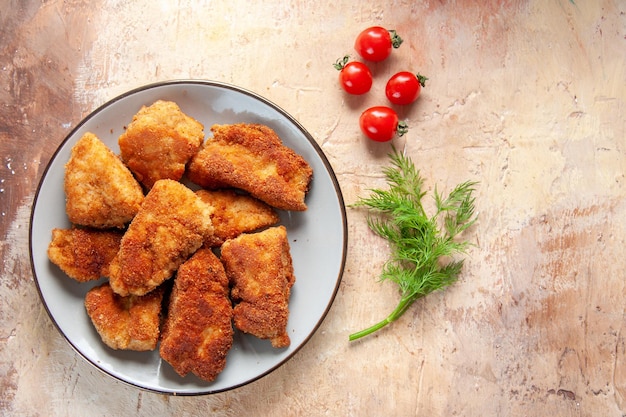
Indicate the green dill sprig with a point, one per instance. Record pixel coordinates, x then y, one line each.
422 246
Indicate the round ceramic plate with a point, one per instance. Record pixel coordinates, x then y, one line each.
317 236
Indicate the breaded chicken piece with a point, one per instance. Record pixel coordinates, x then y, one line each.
198 332
252 157
84 254
172 223
234 214
260 271
128 323
159 142
100 190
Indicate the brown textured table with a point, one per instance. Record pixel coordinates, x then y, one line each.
527 97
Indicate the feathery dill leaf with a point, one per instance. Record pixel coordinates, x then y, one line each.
422 247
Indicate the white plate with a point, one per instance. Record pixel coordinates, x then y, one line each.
318 239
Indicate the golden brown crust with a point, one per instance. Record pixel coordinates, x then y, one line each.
252 157
260 271
127 323
172 224
198 332
100 190
234 214
84 254
159 142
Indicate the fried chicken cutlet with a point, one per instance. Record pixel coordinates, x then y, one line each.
260 271
159 142
100 190
84 254
127 323
236 213
172 223
198 332
252 157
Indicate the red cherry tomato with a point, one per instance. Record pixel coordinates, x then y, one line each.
355 77
404 87
375 43
381 124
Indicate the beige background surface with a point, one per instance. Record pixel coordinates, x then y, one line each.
527 97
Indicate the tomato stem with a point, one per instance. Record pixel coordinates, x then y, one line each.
340 63
396 40
422 79
403 128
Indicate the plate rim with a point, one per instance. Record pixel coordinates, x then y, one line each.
286 115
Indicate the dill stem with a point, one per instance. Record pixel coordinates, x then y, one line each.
404 304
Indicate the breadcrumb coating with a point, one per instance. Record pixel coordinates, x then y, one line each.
172 223
126 323
260 271
235 213
100 190
252 157
198 332
84 254
159 142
